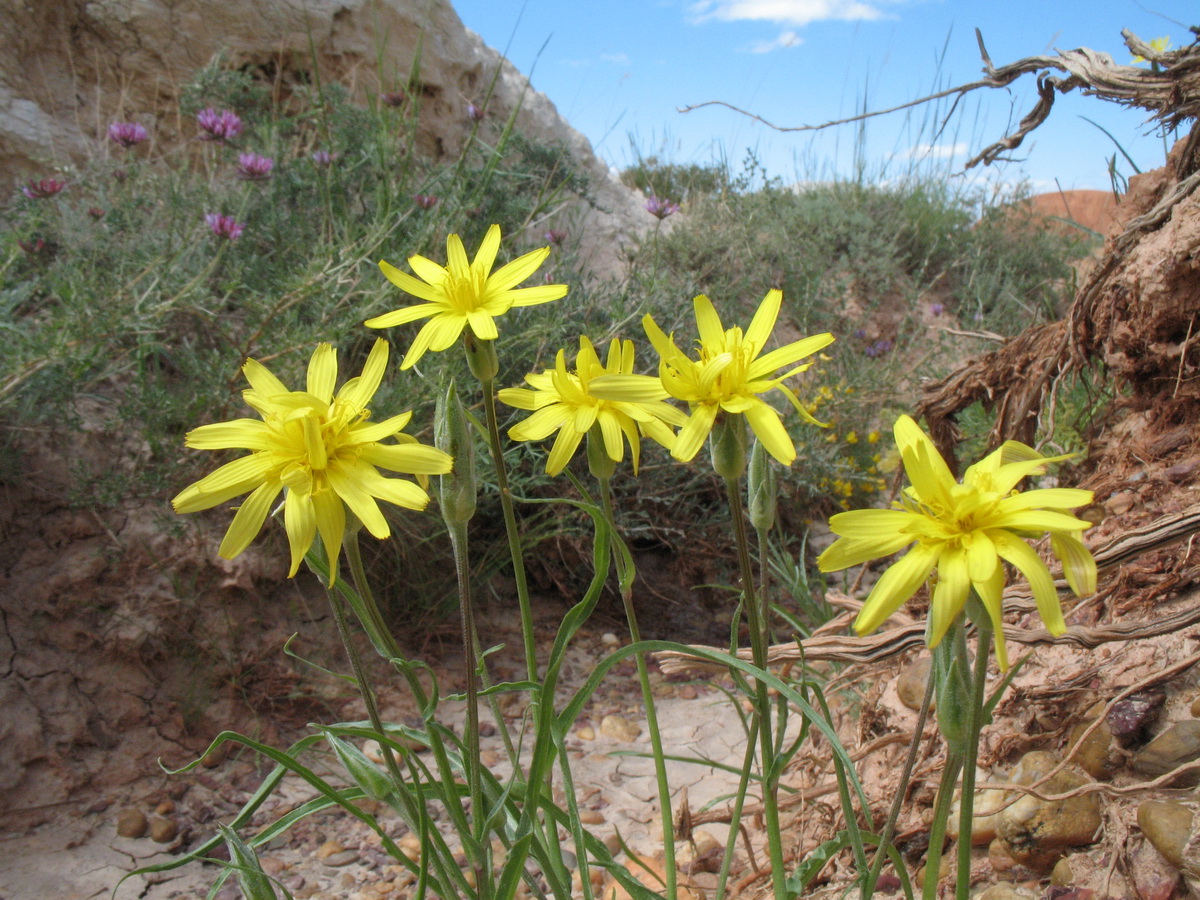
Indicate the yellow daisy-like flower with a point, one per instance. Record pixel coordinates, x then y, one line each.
321 448
966 531
729 376
562 401
461 294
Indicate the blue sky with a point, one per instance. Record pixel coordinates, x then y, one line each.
618 70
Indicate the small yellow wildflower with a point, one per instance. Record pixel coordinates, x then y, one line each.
873 438
1158 45
728 377
852 437
319 448
562 401
463 295
966 531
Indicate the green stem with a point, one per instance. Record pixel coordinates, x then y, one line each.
362 584
660 766
962 884
755 607
910 762
937 830
458 542
364 687
735 816
510 527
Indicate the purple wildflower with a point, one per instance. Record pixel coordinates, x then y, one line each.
253 167
661 208
96 212
878 348
394 98
937 309
34 247
224 226
555 237
474 113
127 134
425 201
323 158
40 190
218 126
860 334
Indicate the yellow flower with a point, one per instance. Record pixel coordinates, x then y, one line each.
562 401
463 295
321 448
729 376
852 437
966 532
1158 45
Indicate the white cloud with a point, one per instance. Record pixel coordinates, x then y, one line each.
617 59
796 13
934 151
785 40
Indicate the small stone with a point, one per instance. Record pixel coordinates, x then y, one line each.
1177 745
1154 878
621 729
1005 890
687 692
998 856
585 733
489 758
487 729
410 846
1037 833
1167 825
1062 874
328 849
1129 719
591 817
1119 504
344 858
165 808
983 813
1095 755
608 639
215 756
943 870
163 831
272 865
131 823
910 686
1195 709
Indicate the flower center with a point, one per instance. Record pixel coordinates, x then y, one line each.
466 292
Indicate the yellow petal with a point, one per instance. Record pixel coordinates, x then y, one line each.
509 276
1079 566
564 448
485 256
229 481
456 258
692 436
708 323
300 521
261 379
532 296
763 322
249 520
359 391
331 524
347 480
896 585
482 324
322 372
404 316
541 424
248 434
846 552
419 289
991 594
411 459
950 594
770 431
786 355
1021 555
368 432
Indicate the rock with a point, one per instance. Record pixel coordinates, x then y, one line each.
1062 874
687 889
1130 719
163 831
998 856
1037 833
983 818
1154 878
621 729
910 686
344 858
165 808
215 756
689 692
586 733
944 869
272 865
1195 708
1179 744
1005 890
591 817
410 846
131 823
328 849
608 639
1167 824
1096 754
1119 504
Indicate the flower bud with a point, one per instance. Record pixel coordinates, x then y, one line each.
728 446
600 464
762 489
481 356
452 434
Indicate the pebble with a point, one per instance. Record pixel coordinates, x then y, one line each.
1154 878
608 639
344 858
983 813
1119 504
1096 754
1062 874
1195 708
1037 833
489 758
591 817
689 692
943 870
910 686
131 823
165 808
686 887
215 756
327 849
1005 890
621 729
586 733
1130 718
272 865
1167 824
163 831
1177 745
